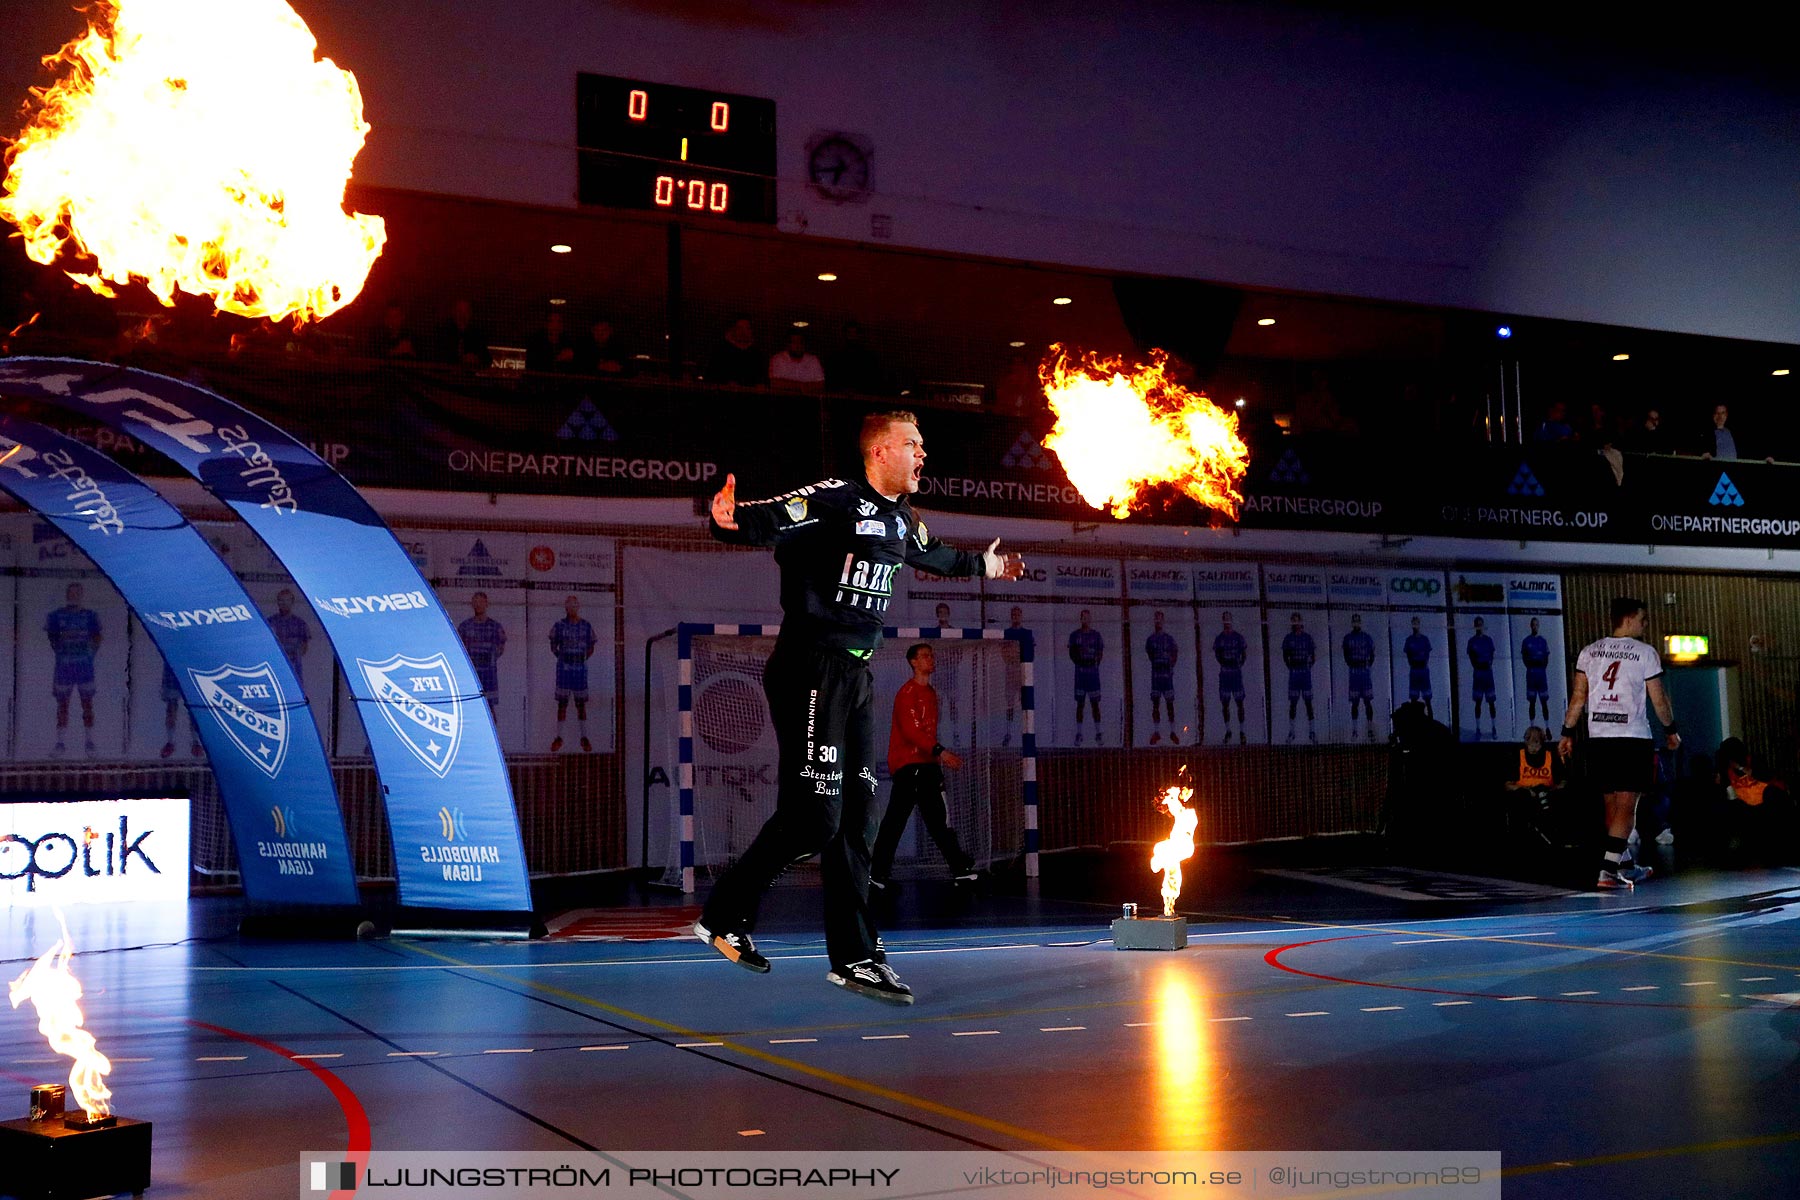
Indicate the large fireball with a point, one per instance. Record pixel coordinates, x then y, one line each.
197 145
1122 430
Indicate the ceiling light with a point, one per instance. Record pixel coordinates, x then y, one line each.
827 277
1021 346
1779 371
557 300
1266 321
1504 331
560 248
1240 402
1063 300
1621 357
801 324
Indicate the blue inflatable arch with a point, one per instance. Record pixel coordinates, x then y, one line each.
437 755
248 706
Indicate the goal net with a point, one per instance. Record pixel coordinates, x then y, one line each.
727 756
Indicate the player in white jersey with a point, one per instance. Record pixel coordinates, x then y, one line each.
1613 678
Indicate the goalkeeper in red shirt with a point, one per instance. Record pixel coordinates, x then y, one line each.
916 760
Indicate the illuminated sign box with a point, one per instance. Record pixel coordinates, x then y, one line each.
1684 647
93 851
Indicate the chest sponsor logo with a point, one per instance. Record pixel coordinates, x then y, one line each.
248 704
417 696
871 529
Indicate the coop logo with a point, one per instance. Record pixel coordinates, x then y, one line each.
450 820
351 606
248 705
541 558
187 618
1409 585
417 696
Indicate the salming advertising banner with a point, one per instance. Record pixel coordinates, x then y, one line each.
251 716
449 802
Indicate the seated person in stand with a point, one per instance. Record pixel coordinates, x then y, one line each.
796 369
1758 810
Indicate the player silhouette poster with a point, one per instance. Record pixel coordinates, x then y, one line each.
1357 641
1164 685
1419 649
1233 684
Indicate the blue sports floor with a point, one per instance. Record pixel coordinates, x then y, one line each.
1645 1044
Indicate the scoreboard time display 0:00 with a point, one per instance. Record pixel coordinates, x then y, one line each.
675 149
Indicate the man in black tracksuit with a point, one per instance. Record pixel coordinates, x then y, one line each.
840 546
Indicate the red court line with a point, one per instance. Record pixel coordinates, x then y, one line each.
356 1120
1273 958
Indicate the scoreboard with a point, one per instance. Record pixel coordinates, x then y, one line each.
681 150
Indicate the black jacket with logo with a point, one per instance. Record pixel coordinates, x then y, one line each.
840 546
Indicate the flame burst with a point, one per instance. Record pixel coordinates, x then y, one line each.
199 145
53 989
1120 431
1168 855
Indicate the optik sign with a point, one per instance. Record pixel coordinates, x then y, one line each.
93 851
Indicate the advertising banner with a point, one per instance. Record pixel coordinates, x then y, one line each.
1164 684
1534 614
1419 641
1233 678
1362 695
221 660
93 852
449 802
1483 662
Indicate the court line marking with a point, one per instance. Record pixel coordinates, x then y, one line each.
1060 1028
886 1037
1607 1160
1217 1020
1449 1003
1386 1008
847 1082
505 1050
1273 958
1320 1013
975 1033
222 1058
789 1041
614 1046
1451 937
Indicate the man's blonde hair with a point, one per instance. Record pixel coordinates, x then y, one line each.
875 427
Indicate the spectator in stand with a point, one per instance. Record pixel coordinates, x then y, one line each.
600 353
1649 437
460 339
736 359
393 338
1759 812
1721 440
1018 391
1316 409
1555 425
550 351
854 368
796 369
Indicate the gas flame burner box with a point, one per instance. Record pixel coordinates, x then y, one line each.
1149 933
55 1160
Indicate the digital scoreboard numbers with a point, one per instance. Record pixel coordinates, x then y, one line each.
674 149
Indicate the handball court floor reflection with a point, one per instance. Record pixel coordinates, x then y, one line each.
1646 1043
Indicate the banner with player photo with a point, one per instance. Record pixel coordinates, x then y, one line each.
1483 664
1073 608
1233 677
1164 685
926 601
222 663
443 779
1419 647
1534 617
1296 621
73 654
1362 695
560 666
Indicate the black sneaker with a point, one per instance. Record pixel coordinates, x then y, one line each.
875 980
735 946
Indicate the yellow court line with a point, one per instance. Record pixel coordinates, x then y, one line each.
1606 1160
844 1081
